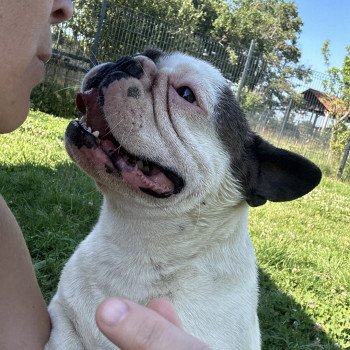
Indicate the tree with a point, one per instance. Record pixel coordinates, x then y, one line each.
275 26
181 24
337 89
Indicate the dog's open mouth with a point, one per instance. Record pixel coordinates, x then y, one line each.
93 133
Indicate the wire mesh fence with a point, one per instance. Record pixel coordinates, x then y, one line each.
297 119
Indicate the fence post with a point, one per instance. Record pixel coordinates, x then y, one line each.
246 69
344 160
285 119
96 43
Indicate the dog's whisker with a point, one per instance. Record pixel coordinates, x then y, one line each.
128 134
144 72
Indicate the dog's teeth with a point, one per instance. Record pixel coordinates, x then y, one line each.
89 129
145 167
76 119
96 133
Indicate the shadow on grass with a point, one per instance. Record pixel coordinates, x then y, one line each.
283 322
57 207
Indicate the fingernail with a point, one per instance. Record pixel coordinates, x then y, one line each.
113 311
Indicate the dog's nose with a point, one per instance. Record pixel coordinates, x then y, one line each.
148 66
134 68
128 65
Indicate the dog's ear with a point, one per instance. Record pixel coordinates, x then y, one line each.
277 175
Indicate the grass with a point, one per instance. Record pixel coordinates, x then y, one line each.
302 246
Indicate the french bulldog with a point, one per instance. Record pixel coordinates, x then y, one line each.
178 166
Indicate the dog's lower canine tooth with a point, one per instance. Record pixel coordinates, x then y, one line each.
96 133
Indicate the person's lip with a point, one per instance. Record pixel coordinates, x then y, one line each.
38 68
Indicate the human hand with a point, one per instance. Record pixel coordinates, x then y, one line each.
133 327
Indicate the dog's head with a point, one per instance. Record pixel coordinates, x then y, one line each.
165 128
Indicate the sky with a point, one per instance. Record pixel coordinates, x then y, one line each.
324 19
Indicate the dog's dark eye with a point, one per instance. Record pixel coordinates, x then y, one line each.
186 93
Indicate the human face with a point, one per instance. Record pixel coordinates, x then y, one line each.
25 45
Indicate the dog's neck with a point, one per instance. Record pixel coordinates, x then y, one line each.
217 219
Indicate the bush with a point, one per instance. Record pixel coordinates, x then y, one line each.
251 101
51 98
339 138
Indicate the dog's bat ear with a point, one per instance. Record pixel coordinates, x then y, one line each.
277 175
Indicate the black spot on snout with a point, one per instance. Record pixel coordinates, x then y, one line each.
134 92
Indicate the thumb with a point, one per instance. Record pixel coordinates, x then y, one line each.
166 309
132 327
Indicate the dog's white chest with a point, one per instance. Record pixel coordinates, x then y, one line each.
211 280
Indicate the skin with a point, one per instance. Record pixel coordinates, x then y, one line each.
25 45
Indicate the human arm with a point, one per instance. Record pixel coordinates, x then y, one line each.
24 319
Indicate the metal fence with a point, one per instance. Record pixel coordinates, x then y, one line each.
297 121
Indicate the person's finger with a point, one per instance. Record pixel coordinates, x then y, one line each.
166 309
133 327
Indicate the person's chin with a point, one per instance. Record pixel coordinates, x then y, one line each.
18 97
14 116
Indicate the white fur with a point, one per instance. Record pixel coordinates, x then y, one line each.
193 248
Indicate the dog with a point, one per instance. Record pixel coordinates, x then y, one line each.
178 165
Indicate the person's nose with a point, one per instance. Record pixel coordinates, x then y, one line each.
62 10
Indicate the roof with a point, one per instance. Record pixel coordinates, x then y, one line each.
317 101
321 102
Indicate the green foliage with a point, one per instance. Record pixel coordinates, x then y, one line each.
338 97
326 51
180 14
251 101
338 84
50 97
345 80
339 139
274 24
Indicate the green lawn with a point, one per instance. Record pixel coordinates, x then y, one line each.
302 246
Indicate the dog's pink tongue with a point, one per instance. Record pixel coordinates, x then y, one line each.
156 182
136 178
88 103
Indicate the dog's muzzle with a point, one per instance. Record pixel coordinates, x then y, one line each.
93 132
